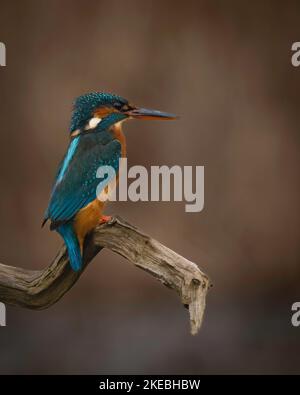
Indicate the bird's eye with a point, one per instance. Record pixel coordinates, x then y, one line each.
118 106
121 107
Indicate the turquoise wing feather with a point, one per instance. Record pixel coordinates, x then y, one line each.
76 182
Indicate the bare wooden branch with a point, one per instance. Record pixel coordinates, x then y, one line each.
39 289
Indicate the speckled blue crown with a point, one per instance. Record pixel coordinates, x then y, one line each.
85 105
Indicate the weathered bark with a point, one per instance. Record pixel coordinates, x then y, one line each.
39 289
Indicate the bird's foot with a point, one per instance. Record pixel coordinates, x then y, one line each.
104 219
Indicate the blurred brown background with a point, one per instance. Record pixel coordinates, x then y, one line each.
225 68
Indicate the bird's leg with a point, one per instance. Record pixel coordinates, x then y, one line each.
104 219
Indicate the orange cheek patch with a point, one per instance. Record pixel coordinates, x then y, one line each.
102 112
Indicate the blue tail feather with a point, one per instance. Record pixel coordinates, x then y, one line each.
67 232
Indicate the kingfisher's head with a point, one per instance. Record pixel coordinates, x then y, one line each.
98 111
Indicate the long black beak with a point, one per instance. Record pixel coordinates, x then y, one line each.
144 113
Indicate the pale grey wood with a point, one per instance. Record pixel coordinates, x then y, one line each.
39 289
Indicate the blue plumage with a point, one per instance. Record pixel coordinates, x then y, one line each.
76 183
79 183
69 155
86 104
67 233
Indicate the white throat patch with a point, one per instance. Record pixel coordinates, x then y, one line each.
93 122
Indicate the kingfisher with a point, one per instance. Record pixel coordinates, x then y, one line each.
96 139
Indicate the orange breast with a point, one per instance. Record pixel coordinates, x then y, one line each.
118 134
87 219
